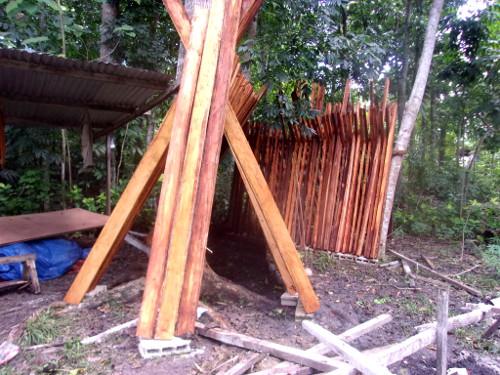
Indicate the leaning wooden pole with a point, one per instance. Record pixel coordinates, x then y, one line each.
173 170
208 174
262 197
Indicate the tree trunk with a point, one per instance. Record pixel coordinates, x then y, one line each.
431 136
109 15
245 61
406 57
442 143
410 114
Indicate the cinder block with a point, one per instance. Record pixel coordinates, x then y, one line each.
159 348
300 313
289 300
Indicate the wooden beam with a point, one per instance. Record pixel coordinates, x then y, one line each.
121 219
204 197
442 333
286 253
171 90
173 173
347 336
180 19
184 211
244 364
365 364
396 352
315 361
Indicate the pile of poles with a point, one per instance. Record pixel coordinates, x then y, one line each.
214 99
328 175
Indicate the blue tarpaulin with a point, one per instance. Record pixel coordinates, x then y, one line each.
53 258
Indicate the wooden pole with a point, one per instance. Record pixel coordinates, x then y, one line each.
262 197
108 174
208 173
128 207
366 364
173 170
442 333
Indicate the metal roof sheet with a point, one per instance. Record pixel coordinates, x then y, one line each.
44 90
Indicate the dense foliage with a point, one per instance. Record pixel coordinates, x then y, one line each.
451 177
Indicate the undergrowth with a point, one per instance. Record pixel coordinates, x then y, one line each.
44 328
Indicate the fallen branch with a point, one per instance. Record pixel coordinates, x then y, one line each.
429 262
439 275
467 270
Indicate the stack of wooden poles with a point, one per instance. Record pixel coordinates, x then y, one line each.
328 176
214 99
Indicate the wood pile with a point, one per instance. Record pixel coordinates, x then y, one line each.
214 99
328 176
346 359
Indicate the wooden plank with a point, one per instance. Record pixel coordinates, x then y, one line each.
315 361
442 333
128 207
211 99
17 258
288 370
263 199
29 227
408 273
244 364
393 111
173 174
183 213
179 18
347 336
365 364
429 262
437 274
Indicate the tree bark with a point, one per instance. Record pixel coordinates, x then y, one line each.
109 15
410 114
406 57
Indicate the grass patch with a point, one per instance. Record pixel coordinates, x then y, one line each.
7 370
43 328
470 338
323 261
420 305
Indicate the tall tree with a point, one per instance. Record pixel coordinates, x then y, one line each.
410 115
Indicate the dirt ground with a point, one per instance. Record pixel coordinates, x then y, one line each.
349 292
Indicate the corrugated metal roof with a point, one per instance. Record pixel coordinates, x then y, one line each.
44 90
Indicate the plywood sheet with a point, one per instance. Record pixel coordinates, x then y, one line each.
22 228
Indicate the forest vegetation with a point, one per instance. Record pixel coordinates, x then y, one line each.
449 186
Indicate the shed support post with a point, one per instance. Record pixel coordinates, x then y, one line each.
108 174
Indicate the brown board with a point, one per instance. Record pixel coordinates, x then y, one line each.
28 227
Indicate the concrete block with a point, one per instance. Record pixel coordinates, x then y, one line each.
289 300
159 348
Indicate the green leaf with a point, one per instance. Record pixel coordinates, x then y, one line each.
12 8
53 5
37 39
123 28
